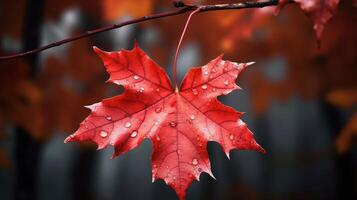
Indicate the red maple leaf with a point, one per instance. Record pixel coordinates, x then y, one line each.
178 122
319 11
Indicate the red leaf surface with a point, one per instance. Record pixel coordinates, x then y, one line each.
319 11
178 122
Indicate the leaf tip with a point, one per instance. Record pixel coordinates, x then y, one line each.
90 107
260 149
100 52
228 156
211 174
249 63
97 50
70 138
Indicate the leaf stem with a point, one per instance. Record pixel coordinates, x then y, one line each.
179 45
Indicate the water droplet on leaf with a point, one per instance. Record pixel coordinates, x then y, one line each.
194 161
109 118
204 86
127 125
158 109
173 124
231 136
142 89
226 82
195 92
136 77
134 134
103 134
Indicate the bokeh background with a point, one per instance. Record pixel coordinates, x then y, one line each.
298 99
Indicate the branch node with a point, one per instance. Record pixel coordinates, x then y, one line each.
179 3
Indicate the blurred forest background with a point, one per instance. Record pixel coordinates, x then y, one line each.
300 101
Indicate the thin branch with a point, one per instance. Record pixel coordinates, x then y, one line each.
184 8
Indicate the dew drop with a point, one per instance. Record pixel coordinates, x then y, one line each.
194 161
134 134
204 86
205 73
156 123
231 136
225 69
141 90
136 77
127 125
195 92
157 90
192 117
103 134
213 70
158 138
214 89
173 124
226 82
109 118
158 109
155 166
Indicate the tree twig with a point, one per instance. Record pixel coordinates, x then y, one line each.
183 9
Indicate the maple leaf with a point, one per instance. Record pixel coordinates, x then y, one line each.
319 11
178 122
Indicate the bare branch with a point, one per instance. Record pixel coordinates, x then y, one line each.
184 8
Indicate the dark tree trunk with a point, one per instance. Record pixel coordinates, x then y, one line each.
343 163
82 175
28 150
